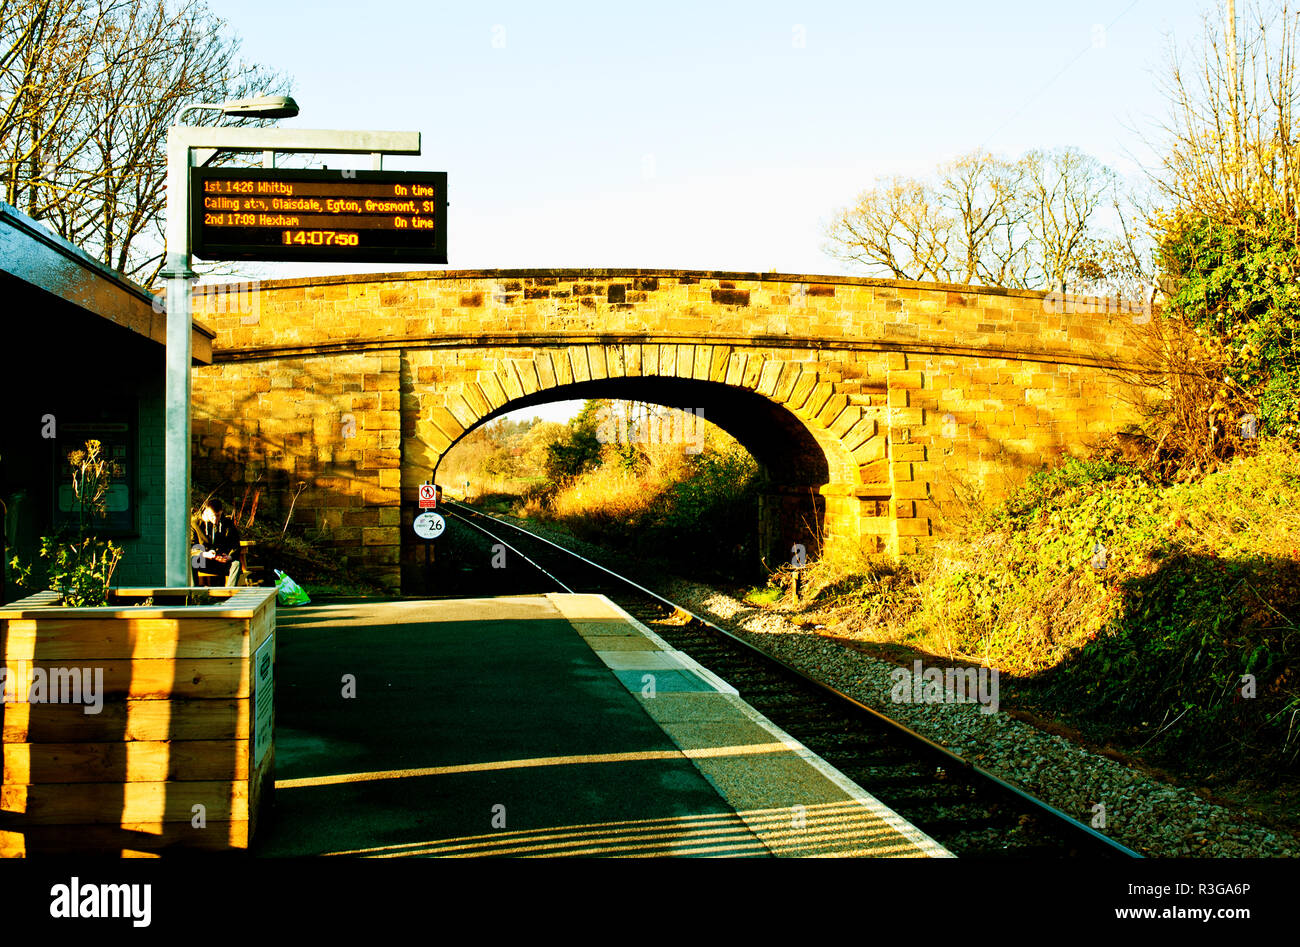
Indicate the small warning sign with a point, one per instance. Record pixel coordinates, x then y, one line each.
428 496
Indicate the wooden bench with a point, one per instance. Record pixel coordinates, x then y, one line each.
251 573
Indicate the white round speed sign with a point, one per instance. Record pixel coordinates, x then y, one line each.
429 525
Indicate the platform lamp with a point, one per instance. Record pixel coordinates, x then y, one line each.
179 278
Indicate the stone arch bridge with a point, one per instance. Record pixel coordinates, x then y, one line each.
876 408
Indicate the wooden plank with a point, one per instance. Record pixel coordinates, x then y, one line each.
120 803
261 788
127 720
262 625
171 730
239 602
140 761
88 639
124 840
149 679
262 776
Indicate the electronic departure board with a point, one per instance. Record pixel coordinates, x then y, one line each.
342 216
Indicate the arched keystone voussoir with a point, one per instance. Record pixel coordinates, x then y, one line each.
668 360
735 373
581 367
769 378
545 370
490 384
526 371
462 410
614 361
508 380
789 377
596 361
803 389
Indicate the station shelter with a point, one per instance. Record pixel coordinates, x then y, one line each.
82 356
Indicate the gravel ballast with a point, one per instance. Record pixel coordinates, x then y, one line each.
1150 816
1141 811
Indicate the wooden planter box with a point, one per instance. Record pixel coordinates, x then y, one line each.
180 754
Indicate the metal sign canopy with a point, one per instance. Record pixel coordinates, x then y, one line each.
189 146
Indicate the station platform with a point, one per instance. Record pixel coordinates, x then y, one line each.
541 725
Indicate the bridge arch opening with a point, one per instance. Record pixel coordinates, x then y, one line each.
794 463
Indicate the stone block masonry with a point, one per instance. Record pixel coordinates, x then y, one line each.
871 404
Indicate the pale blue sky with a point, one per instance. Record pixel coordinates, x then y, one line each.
702 135
707 135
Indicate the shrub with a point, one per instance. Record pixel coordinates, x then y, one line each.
576 450
80 565
1194 413
1047 484
1130 607
1140 607
689 512
1236 282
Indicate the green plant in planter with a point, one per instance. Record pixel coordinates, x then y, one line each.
80 565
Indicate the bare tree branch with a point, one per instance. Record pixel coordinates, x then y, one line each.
1030 224
87 91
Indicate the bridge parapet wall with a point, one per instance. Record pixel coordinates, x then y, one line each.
837 311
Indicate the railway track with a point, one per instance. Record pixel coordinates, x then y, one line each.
968 810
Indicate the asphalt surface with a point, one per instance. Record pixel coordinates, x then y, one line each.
470 727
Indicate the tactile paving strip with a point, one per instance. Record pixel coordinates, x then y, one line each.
793 800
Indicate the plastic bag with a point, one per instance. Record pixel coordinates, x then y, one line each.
289 592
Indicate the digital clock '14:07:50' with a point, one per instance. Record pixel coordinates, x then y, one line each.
319 238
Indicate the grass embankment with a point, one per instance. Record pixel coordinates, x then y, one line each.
1153 616
697 515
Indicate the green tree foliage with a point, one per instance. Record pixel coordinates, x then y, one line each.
1228 233
578 449
504 449
706 520
1237 281
535 444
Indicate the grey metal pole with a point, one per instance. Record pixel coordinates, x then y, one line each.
182 141
176 444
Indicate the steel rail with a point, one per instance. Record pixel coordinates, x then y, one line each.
1088 832
468 522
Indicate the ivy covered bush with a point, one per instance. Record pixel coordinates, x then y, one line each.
1238 283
